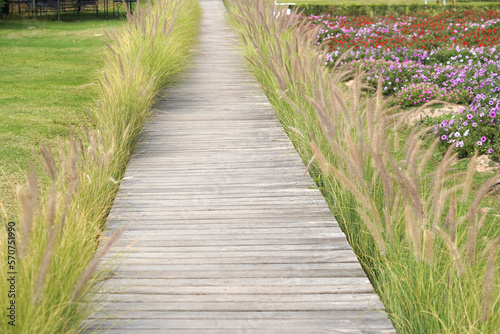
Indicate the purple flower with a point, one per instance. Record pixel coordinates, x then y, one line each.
493 114
483 139
469 116
480 143
444 137
490 151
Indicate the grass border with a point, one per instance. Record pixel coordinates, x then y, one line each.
414 229
56 238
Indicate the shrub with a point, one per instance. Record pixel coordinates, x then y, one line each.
4 8
421 93
474 129
383 10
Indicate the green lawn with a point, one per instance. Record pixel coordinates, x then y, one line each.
48 74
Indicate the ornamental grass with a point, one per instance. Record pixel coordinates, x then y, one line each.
58 238
413 219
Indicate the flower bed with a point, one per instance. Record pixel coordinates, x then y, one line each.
451 56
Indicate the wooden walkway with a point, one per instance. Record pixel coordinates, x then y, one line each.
225 234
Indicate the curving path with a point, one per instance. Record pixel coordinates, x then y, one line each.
224 233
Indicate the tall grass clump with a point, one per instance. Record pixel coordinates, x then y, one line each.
412 218
59 235
143 57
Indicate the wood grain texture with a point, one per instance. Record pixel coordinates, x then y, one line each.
223 232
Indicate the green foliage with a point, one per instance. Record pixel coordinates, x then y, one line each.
475 129
3 7
476 0
421 93
385 10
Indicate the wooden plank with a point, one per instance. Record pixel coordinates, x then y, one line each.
180 258
231 260
228 233
229 202
303 282
172 225
116 330
221 212
229 306
245 257
243 290
142 244
223 242
282 272
155 296
239 237
263 324
293 315
162 234
233 193
154 266
249 320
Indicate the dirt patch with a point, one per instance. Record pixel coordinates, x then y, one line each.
349 83
484 164
435 112
84 86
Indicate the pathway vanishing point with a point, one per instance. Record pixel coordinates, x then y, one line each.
224 233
